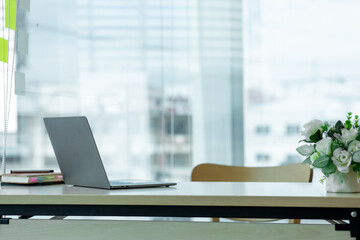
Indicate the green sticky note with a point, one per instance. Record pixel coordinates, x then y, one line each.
4 49
10 14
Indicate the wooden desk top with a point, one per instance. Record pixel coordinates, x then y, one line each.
186 194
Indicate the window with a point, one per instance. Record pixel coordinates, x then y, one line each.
292 129
293 158
262 158
158 80
216 81
299 65
263 130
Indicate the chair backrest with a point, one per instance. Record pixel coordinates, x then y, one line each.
221 173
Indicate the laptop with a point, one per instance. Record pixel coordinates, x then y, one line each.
79 159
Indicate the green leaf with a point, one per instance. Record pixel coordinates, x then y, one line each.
325 127
331 132
306 150
356 167
341 177
316 136
356 157
336 144
358 137
321 162
329 169
348 124
338 126
322 180
307 161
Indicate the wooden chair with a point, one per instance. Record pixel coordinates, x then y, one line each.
221 173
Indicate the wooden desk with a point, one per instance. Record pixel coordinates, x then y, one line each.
189 199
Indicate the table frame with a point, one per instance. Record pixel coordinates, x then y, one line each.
351 214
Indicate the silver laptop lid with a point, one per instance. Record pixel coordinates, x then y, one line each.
76 152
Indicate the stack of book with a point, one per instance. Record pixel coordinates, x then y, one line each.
32 177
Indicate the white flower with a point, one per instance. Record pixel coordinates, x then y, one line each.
342 160
324 146
347 135
311 128
354 146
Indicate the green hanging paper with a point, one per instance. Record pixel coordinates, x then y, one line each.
12 13
4 49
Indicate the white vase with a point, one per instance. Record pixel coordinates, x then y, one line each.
349 183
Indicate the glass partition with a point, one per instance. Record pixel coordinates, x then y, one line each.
170 84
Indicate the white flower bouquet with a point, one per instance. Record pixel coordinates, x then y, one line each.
333 149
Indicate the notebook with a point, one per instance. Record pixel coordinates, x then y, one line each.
78 156
32 178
